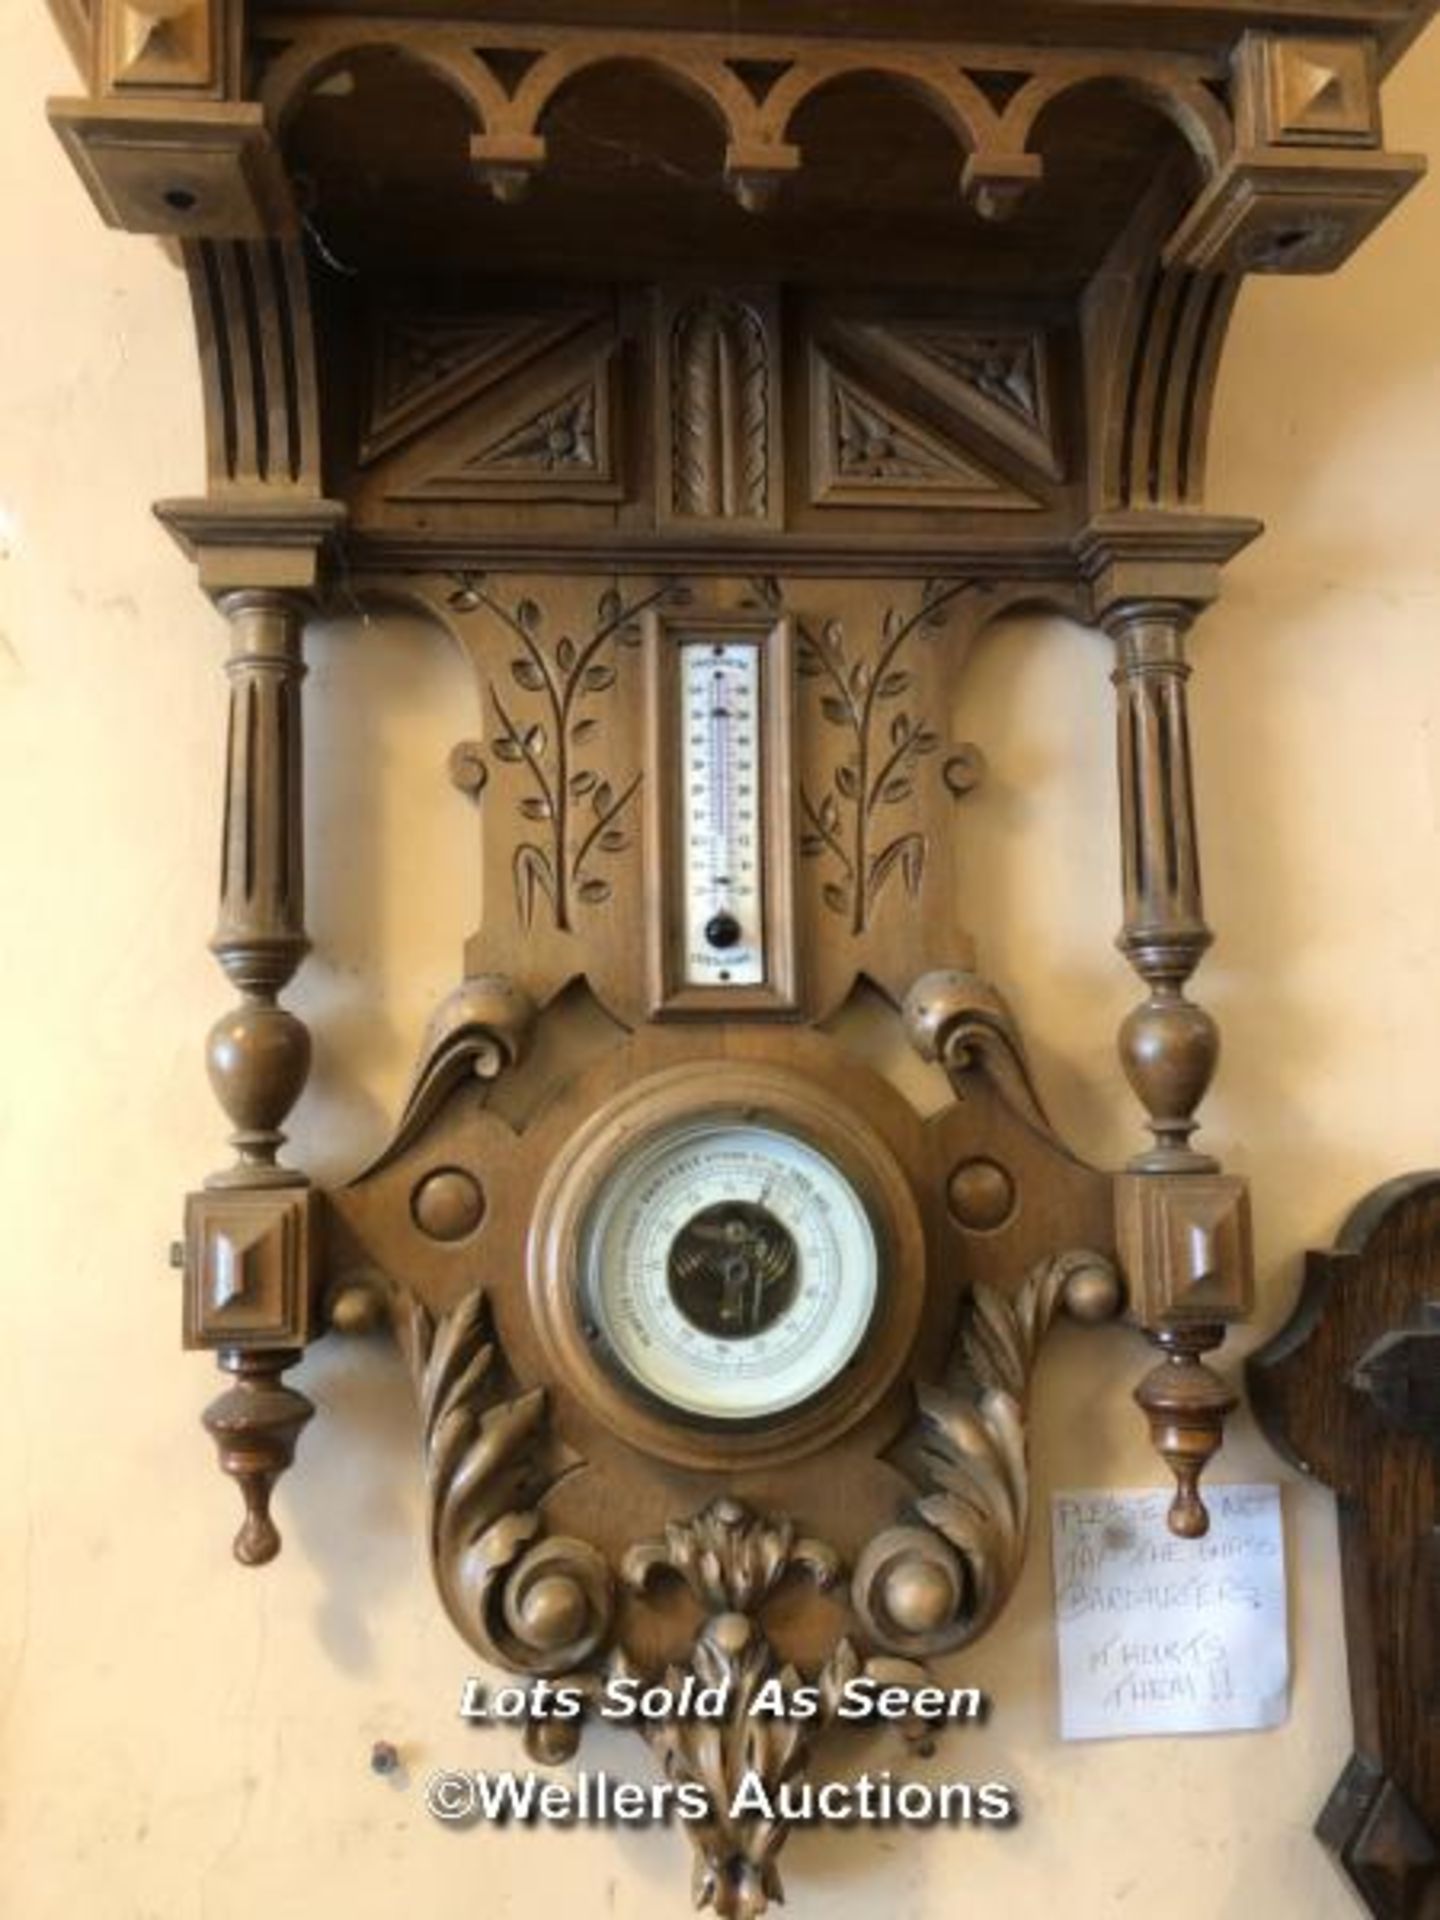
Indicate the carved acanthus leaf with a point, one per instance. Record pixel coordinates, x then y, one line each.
929 1588
532 1604
733 1561
730 1560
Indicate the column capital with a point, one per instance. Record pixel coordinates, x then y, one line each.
1133 560
240 546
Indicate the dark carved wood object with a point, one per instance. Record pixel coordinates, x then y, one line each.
631 342
1349 1390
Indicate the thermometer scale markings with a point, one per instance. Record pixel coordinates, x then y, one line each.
721 838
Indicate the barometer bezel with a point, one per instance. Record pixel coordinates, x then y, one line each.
729 1092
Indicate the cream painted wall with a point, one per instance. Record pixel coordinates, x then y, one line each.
183 1741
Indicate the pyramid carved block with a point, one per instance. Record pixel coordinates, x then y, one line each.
1307 92
159 45
1185 1246
248 1268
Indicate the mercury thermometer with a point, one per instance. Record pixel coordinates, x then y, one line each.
723 882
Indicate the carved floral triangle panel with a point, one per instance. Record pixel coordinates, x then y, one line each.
868 448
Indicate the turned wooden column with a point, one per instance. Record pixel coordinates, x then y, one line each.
250 1232
1168 1046
1183 1226
258 1054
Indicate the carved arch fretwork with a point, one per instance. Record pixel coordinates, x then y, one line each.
509 143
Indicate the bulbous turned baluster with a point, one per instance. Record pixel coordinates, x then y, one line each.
1183 1227
249 1235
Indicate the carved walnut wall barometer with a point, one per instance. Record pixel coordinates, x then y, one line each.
713 375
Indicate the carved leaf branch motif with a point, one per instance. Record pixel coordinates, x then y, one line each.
930 1588
885 743
578 814
533 1604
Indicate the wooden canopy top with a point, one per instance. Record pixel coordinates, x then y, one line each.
1212 25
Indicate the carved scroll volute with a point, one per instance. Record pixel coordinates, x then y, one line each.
963 1024
1182 1226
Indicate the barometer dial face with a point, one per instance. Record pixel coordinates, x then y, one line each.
729 1269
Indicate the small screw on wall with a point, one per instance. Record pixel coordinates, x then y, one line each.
384 1757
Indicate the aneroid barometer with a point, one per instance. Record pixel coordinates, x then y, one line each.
710 377
729 1268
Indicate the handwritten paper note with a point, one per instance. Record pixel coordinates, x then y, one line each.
1159 1635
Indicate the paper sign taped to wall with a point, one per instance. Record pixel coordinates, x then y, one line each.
1160 1635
